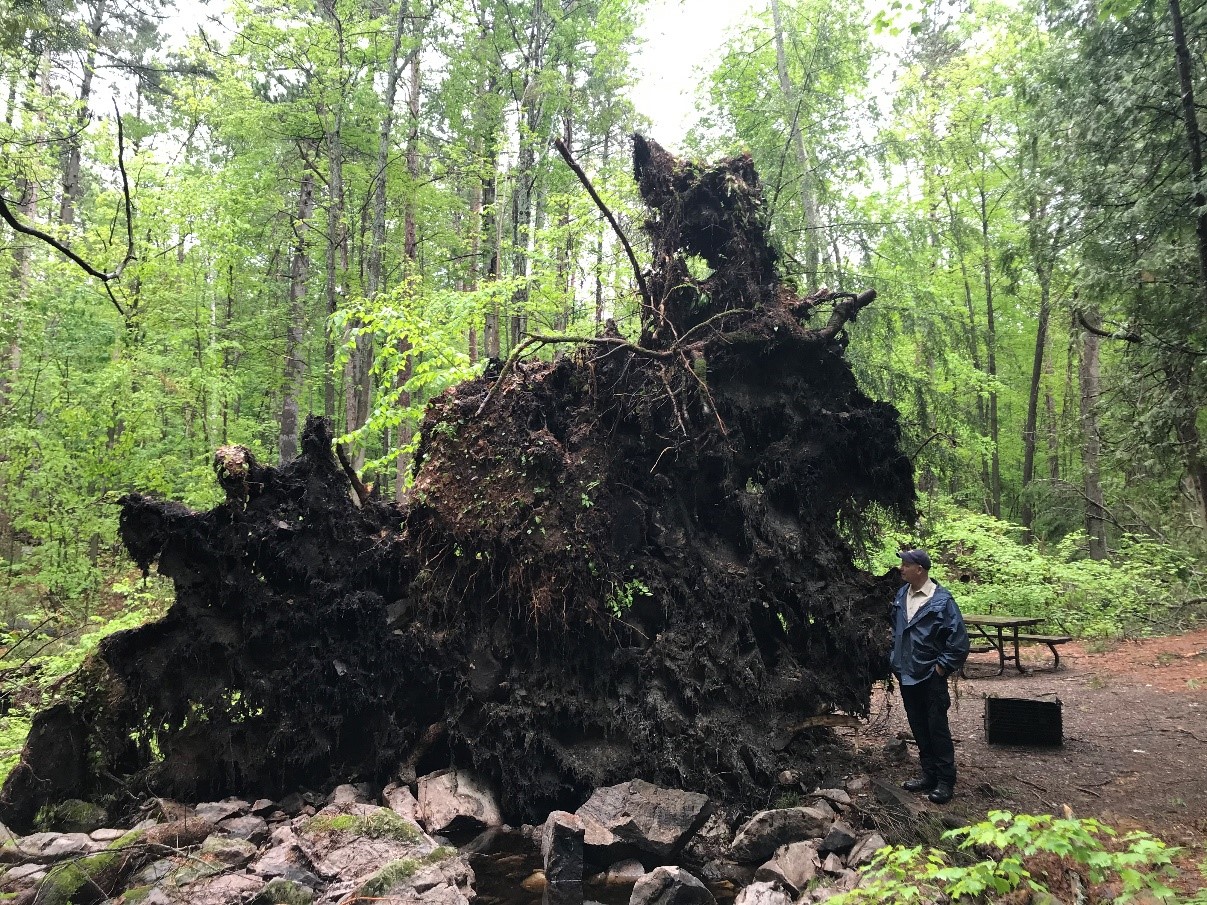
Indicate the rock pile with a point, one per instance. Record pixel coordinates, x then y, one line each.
658 846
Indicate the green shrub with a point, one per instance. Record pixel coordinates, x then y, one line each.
998 855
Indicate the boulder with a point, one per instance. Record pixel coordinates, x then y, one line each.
286 861
253 829
222 889
283 892
292 804
153 872
638 816
624 873
106 835
839 840
837 797
865 849
71 845
217 811
400 800
562 849
833 864
262 807
227 850
456 800
48 847
762 893
670 886
22 875
766 831
348 794
77 816
562 856
793 865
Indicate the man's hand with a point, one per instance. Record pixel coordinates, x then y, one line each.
939 671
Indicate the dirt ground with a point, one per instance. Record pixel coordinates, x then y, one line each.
1135 737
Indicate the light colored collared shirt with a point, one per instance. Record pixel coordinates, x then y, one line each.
915 600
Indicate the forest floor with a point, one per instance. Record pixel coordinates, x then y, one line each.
1135 738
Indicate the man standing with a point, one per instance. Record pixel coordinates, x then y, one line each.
930 642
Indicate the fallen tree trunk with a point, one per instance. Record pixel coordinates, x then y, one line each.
632 562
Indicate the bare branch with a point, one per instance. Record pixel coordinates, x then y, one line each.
106 277
582 177
844 311
1126 335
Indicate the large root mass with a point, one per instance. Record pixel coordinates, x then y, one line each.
630 562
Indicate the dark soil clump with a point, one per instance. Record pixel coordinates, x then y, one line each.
630 562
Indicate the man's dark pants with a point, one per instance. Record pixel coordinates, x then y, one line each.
926 707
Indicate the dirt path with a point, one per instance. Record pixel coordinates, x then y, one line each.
1135 730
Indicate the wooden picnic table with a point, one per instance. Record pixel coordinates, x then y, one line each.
999 633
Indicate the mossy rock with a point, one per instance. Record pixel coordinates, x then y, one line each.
283 892
388 877
72 816
381 824
90 878
85 879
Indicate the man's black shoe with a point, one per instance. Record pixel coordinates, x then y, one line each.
921 784
942 794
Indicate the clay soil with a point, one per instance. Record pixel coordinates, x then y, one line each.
1135 732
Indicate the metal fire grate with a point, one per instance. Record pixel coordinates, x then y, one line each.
1020 721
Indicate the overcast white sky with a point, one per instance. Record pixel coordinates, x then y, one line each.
680 36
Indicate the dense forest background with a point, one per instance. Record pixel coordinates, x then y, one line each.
221 218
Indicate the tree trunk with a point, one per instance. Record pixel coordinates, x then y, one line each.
808 194
411 251
1053 427
74 142
525 177
995 469
1095 512
1037 371
599 244
295 370
973 339
565 252
491 222
1194 140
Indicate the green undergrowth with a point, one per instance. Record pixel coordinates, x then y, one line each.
36 658
381 824
1137 591
1008 854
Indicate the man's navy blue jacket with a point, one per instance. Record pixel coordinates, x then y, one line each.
936 635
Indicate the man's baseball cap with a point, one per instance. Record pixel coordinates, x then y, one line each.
917 557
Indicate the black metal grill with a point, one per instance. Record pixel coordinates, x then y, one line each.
1020 721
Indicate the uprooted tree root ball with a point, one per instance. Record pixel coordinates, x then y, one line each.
627 562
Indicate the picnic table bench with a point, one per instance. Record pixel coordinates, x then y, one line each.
1001 634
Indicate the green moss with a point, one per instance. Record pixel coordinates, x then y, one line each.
136 894
60 886
439 853
381 824
388 877
283 892
71 816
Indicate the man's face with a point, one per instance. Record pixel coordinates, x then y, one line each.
912 572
